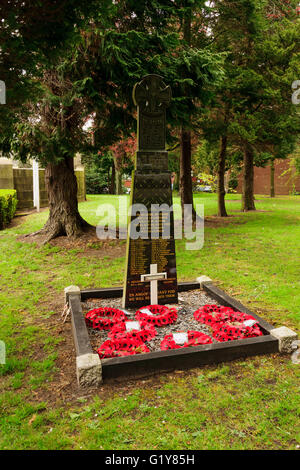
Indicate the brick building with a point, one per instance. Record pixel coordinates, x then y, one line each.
285 182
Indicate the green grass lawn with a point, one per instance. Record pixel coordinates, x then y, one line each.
246 404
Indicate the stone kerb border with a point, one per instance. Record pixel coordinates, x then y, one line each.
285 337
88 364
91 371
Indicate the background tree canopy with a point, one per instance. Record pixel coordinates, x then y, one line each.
230 65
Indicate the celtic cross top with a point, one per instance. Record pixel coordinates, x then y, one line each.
151 95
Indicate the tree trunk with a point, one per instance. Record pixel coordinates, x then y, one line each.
185 181
185 177
118 177
248 180
64 217
113 180
221 178
272 182
119 182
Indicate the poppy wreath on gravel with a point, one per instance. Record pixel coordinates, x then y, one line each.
158 315
212 315
104 318
141 330
230 331
194 338
119 347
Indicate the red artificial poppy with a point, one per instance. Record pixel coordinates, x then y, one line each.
210 314
104 318
143 331
194 338
158 315
230 331
118 347
214 315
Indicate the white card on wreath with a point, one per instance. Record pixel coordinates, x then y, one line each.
146 310
180 338
249 322
126 312
132 325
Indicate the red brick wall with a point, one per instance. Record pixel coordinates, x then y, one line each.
262 178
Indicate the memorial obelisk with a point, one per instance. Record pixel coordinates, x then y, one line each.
150 259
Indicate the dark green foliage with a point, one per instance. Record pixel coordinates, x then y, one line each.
102 60
206 158
96 182
8 205
297 165
98 173
233 181
252 106
32 36
234 81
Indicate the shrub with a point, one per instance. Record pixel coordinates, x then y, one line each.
95 180
204 179
8 205
233 182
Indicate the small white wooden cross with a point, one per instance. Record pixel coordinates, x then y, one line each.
153 278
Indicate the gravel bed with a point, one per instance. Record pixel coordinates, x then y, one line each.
188 303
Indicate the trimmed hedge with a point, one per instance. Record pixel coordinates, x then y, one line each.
8 205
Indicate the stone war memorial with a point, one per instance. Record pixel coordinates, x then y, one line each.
151 186
154 323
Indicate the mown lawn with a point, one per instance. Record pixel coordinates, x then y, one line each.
247 404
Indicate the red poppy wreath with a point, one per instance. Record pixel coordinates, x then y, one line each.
213 315
133 329
158 315
230 331
118 347
227 324
184 339
104 318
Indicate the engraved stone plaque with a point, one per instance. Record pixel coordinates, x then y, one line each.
152 161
